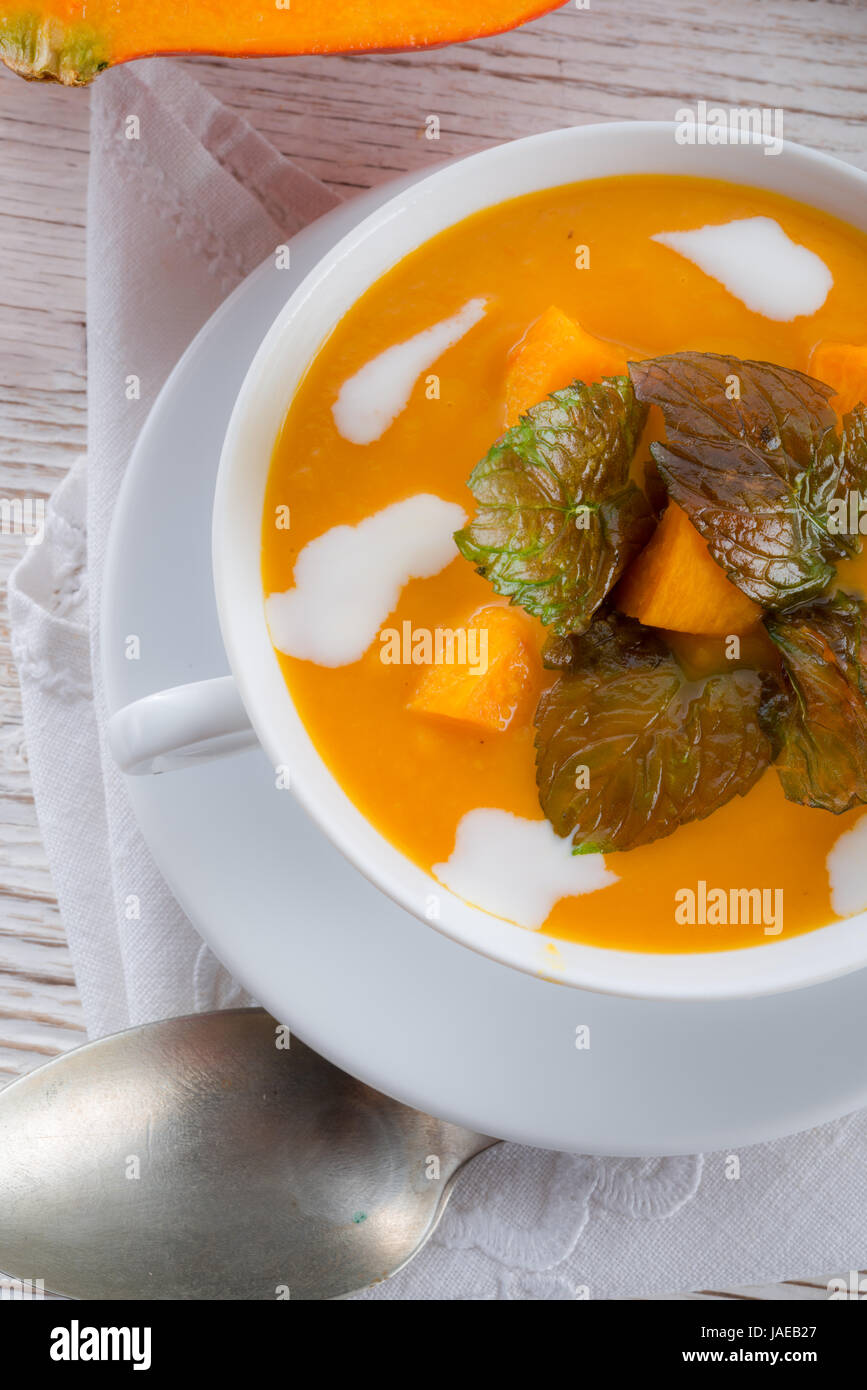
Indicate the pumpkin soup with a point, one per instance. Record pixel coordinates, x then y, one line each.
562 562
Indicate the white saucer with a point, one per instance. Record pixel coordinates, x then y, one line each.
373 989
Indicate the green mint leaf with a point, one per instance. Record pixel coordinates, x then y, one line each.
558 518
752 456
628 749
823 727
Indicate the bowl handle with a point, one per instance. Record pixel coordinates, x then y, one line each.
181 727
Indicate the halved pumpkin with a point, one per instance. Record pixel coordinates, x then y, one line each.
71 40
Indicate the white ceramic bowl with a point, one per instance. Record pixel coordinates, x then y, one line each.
168 729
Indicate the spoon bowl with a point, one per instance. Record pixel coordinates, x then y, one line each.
215 1157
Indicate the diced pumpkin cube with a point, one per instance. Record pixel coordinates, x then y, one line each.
843 366
496 686
675 583
554 352
703 654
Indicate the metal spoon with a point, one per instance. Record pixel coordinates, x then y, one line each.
204 1157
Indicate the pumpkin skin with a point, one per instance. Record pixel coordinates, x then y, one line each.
69 41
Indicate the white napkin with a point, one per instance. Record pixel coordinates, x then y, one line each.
177 215
184 200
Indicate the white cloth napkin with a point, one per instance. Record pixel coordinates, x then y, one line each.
185 199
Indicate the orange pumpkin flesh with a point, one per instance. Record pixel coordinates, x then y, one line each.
498 694
675 583
843 366
554 352
70 41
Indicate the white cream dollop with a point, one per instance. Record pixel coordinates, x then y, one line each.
517 868
758 263
349 579
372 399
847 870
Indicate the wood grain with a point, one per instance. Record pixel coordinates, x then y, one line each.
353 122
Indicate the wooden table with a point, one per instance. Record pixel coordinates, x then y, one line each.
353 122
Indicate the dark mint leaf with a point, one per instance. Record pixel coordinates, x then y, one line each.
628 749
823 728
558 519
558 654
853 450
654 488
761 475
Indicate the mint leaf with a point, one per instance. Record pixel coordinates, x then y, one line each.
752 456
853 452
823 728
558 519
628 749
558 653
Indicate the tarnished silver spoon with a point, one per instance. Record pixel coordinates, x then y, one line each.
214 1157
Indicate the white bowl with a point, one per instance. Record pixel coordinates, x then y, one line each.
150 733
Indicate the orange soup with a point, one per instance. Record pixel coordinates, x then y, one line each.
409 392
